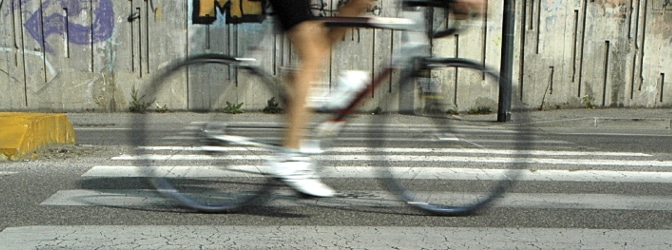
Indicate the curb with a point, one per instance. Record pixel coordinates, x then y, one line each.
606 123
23 133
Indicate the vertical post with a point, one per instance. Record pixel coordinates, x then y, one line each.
506 65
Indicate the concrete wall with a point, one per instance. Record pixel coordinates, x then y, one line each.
85 55
614 52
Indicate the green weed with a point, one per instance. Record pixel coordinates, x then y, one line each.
480 110
161 109
588 101
137 105
233 108
272 107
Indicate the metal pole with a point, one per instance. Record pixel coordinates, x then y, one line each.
506 65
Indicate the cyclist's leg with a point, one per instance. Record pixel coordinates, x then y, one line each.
313 49
312 42
312 46
350 9
293 168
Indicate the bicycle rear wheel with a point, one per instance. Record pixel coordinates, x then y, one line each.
198 162
467 160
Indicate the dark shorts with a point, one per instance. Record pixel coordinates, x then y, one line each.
292 12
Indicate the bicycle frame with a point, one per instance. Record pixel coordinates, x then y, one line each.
415 44
416 65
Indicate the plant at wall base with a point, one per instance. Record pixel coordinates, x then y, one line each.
233 108
377 111
588 101
137 105
482 110
452 111
161 109
272 107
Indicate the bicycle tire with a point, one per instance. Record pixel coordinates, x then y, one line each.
218 177
447 147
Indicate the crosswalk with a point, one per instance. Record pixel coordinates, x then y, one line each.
357 162
555 164
136 198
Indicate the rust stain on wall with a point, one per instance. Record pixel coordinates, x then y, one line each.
611 3
614 8
661 25
661 19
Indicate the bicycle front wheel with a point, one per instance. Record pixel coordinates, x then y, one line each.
195 160
466 159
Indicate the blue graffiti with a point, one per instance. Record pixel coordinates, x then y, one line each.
100 29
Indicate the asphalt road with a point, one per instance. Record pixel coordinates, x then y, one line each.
589 187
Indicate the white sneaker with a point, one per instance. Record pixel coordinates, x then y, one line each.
297 172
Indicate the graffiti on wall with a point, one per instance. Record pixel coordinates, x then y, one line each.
57 17
237 11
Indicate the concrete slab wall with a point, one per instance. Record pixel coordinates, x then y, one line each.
85 55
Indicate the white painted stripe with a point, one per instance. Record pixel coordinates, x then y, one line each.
448 139
7 173
617 134
414 158
364 138
359 125
179 138
412 150
376 198
336 237
536 142
121 198
420 173
102 129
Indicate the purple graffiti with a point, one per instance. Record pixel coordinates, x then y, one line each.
56 24
13 5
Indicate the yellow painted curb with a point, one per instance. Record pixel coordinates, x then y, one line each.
22 133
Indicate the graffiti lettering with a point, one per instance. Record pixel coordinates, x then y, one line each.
237 11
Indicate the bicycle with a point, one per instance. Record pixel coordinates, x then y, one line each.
233 175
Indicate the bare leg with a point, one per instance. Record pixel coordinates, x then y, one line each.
312 46
312 41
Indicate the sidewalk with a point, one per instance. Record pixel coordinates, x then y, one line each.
639 119
649 121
